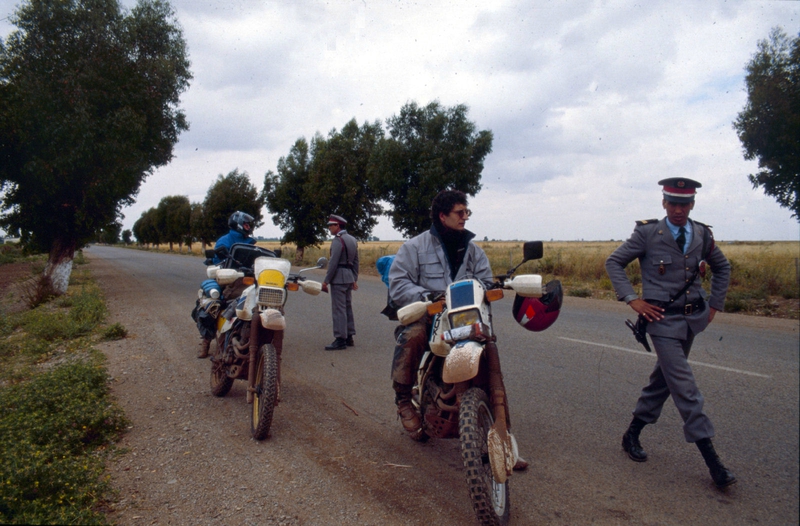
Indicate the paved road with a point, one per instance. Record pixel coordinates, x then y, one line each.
571 390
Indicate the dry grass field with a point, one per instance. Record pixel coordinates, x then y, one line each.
765 277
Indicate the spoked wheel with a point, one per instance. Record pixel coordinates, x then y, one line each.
221 383
489 499
266 392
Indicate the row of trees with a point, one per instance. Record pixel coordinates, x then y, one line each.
176 220
356 171
351 172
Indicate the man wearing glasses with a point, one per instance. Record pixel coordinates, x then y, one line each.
429 263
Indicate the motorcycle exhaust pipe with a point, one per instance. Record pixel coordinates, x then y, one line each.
240 349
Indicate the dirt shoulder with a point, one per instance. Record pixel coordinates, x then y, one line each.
188 457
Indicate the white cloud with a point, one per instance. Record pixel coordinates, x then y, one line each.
590 102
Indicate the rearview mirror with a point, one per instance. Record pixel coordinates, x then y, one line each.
322 263
533 250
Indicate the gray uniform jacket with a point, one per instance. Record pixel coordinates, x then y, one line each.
421 267
343 265
665 271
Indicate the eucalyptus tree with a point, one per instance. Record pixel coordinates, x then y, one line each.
339 181
89 99
769 125
228 194
292 208
173 220
428 149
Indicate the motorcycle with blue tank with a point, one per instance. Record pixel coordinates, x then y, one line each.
245 296
459 390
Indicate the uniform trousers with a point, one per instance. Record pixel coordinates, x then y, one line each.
344 324
673 376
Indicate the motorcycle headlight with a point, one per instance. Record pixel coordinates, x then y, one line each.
465 318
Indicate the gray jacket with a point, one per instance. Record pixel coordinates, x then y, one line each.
665 271
421 267
343 265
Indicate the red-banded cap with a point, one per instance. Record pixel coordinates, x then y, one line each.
679 189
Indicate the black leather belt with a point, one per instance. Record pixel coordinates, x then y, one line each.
686 310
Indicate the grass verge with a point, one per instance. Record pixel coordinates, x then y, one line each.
58 424
765 275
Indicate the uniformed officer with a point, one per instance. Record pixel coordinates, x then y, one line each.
673 254
342 279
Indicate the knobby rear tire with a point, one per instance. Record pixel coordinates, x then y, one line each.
266 392
489 499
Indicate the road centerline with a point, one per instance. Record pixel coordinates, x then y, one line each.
692 362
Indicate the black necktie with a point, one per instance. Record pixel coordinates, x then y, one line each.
681 239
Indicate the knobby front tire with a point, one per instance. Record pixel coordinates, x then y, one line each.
489 499
266 392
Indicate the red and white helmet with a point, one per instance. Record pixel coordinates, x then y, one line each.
537 314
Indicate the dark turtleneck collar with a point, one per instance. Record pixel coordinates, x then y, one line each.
455 244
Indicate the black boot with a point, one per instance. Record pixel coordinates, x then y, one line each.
630 441
337 345
722 477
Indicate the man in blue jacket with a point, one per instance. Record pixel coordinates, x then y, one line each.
241 230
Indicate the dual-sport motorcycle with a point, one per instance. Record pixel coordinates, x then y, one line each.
459 390
250 323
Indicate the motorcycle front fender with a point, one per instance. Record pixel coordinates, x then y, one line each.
462 363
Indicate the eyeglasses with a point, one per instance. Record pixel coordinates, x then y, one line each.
462 213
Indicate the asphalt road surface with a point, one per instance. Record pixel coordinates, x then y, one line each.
571 390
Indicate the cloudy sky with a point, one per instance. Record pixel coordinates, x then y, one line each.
590 102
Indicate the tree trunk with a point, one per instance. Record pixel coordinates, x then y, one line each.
59 265
298 257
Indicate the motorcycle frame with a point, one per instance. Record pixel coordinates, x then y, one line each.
489 376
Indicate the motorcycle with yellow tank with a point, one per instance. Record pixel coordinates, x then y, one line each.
250 324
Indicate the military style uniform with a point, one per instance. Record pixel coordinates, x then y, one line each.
665 271
342 274
672 280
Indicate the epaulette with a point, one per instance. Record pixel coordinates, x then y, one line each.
702 224
646 221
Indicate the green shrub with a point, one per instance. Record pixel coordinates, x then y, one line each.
51 431
115 332
580 292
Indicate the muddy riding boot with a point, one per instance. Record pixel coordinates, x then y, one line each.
405 409
630 441
408 416
202 352
722 477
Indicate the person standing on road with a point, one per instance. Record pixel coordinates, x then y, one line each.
427 263
342 280
673 253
